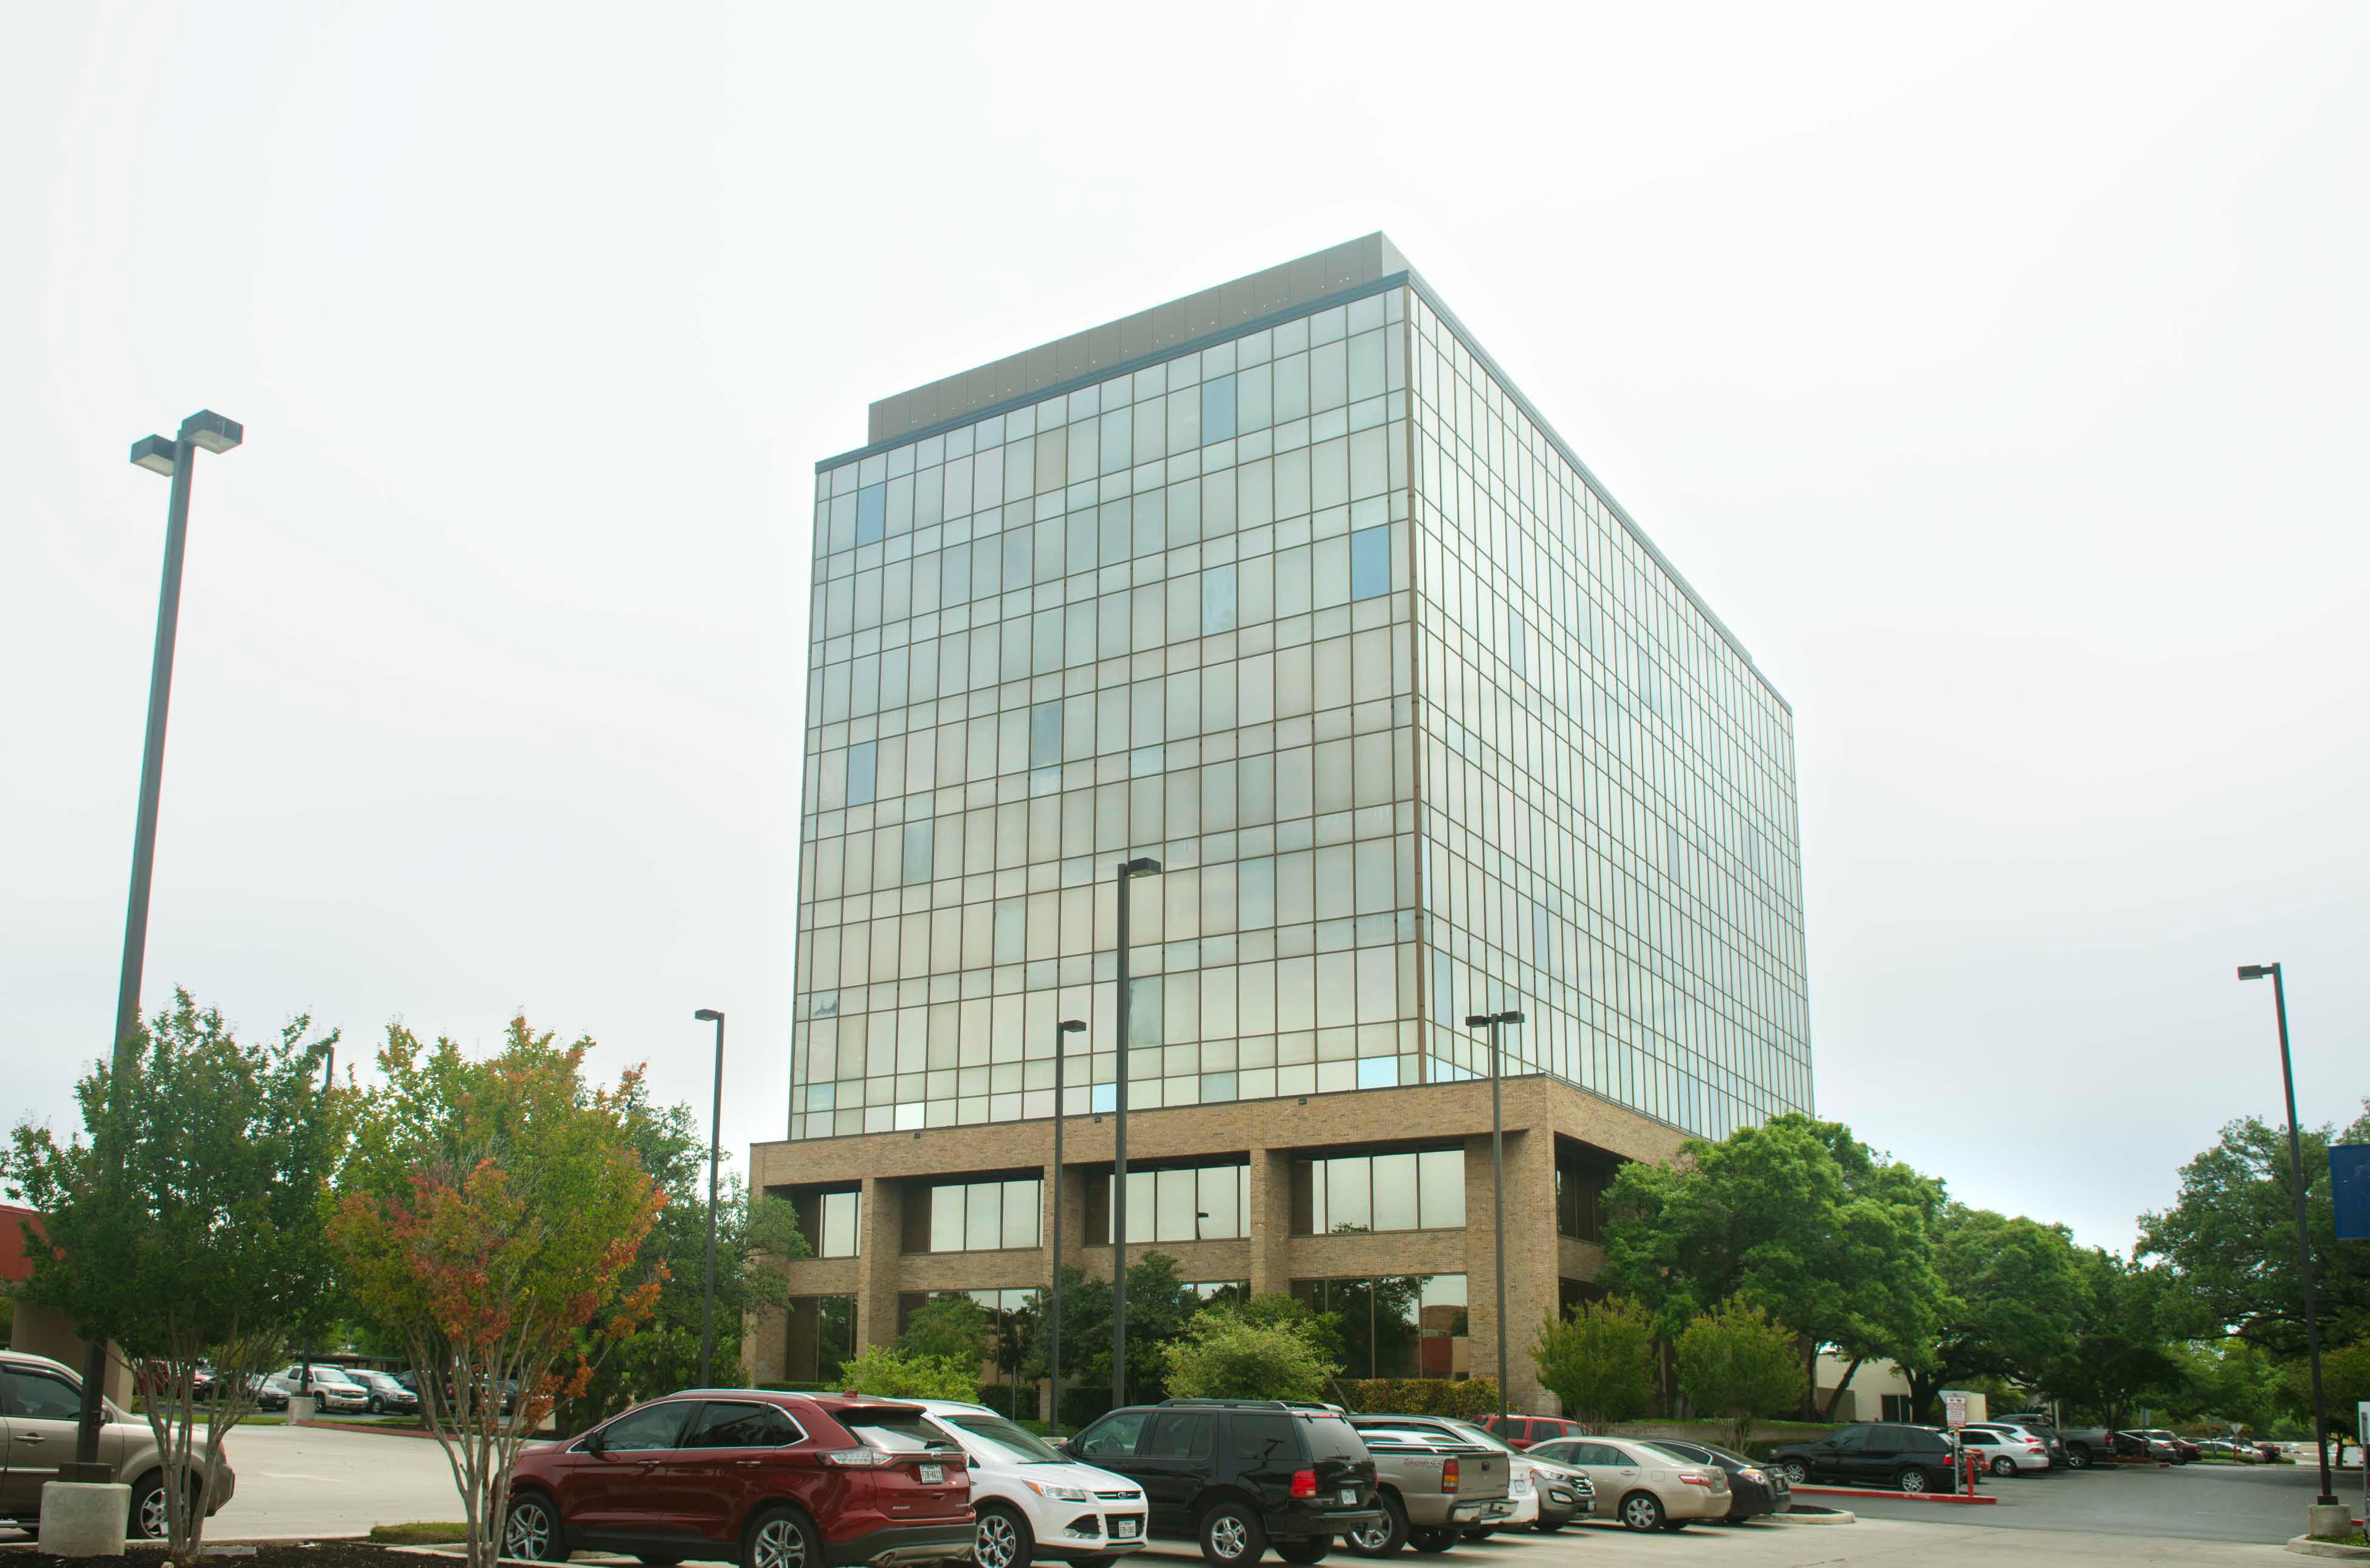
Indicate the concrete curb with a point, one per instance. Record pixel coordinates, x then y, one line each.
376 1431
1840 1517
1895 1496
2306 1546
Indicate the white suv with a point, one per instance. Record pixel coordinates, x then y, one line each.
1031 1501
330 1385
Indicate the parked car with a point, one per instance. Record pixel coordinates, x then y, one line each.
1431 1482
1546 1497
1753 1488
40 1410
1239 1475
1524 1431
266 1397
387 1397
1870 1453
766 1480
2181 1448
2004 1453
1651 1489
1034 1501
2032 1426
331 1387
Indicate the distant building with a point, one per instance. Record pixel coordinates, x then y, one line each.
39 1331
1286 585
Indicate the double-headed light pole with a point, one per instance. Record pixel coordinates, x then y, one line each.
1062 1033
1127 871
715 1125
205 430
1493 1021
2304 1233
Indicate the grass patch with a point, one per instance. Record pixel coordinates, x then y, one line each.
421 1533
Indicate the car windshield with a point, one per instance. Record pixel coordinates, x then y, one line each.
1482 1436
1669 1452
1003 1440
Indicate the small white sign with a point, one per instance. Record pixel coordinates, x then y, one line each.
1954 1409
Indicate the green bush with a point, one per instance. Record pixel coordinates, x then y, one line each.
890 1373
1221 1357
800 1388
1468 1399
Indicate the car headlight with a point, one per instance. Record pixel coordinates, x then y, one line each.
1061 1493
1752 1475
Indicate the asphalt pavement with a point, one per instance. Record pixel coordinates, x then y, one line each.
2196 1502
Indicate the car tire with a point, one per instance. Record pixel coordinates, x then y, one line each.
1547 1524
2077 1459
1910 1479
534 1531
2003 1466
1385 1539
1641 1511
146 1520
1001 1538
781 1538
1796 1473
1313 1549
1431 1538
1229 1534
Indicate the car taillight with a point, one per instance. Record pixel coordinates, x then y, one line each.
1304 1484
1449 1475
857 1459
1694 1477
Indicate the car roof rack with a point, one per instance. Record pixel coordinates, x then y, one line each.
1314 1406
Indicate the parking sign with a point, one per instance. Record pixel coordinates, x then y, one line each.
1954 1409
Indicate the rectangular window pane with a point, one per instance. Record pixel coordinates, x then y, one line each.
1020 1212
1044 735
1370 563
946 1220
1219 409
1439 1187
1394 1199
1218 606
1349 1194
871 513
983 1216
919 837
861 761
1174 1198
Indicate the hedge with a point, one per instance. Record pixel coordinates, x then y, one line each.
1470 1398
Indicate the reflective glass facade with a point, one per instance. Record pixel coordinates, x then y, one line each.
1318 615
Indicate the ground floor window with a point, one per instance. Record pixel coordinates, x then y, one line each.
1398 1326
1897 1408
821 1337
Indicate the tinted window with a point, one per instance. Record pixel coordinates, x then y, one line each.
1849 1437
1258 1439
996 1433
652 1426
1564 1450
740 1426
1176 1435
1599 1454
1331 1437
1113 1436
898 1428
1929 1442
40 1396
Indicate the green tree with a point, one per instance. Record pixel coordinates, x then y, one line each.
2122 1355
1159 1307
2010 1305
1223 1354
193 1227
893 1372
1599 1359
1278 1308
1735 1362
1796 1214
493 1211
2230 1239
2229 1382
952 1327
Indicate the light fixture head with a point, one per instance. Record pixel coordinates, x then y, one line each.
1477 1021
1070 1027
209 431
2255 971
708 1015
154 454
1142 865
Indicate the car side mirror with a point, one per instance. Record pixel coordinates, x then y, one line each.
594 1443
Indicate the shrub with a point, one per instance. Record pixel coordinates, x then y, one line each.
1222 1357
1468 1399
1599 1360
1735 1362
890 1373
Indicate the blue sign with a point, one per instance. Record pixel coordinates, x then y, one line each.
2349 1184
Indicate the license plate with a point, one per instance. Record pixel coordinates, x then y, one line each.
1348 1496
933 1474
1123 1529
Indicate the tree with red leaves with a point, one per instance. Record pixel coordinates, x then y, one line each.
494 1209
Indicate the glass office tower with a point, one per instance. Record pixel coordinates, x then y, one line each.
1288 586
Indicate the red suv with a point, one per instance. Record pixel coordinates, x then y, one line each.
762 1480
1522 1431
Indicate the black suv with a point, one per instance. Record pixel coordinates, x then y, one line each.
1240 1475
1870 1453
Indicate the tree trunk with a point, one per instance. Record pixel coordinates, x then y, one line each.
1809 1379
1841 1384
1923 1387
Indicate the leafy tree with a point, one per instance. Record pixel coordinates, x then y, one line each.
492 1213
950 1327
894 1372
191 1228
1159 1307
1223 1354
1600 1359
2121 1351
2230 1239
2344 1383
1796 1214
1735 1362
1280 1309
2229 1382
2010 1305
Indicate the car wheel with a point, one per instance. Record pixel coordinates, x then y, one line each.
780 1537
1230 1534
1002 1540
2077 1459
1796 1473
1311 1551
148 1518
1910 1479
1386 1535
533 1533
1547 1524
1431 1538
2003 1466
1641 1511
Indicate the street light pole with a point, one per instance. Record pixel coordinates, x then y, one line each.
1062 1032
2304 1234
1142 865
1494 1021
715 1126
205 430
305 1372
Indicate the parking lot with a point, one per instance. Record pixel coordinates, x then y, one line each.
299 1482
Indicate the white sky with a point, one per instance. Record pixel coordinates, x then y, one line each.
1996 373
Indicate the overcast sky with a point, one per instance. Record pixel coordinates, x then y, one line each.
1996 373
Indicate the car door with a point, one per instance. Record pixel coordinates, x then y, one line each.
1880 1454
1174 1460
724 1464
614 1489
40 1410
1610 1472
1110 1444
1840 1456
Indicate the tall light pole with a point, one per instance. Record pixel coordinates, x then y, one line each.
1126 872
2303 1235
1062 1032
304 1373
205 430
715 1125
1493 1021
